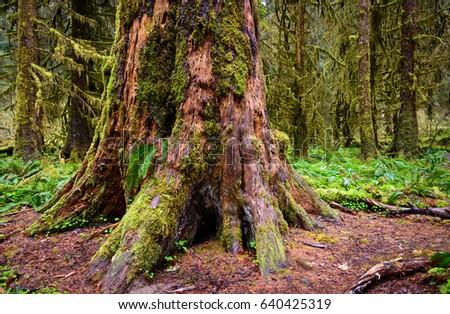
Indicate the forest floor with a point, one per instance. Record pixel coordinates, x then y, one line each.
59 262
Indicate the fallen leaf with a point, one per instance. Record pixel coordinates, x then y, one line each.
343 266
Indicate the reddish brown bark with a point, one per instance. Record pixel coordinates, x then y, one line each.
220 173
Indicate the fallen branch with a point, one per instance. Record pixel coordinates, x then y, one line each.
387 269
443 212
181 290
112 226
319 246
65 276
342 208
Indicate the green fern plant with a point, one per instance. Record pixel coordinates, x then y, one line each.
138 166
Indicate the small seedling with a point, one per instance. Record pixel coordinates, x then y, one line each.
182 245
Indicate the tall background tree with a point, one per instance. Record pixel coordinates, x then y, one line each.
406 137
367 134
66 80
28 138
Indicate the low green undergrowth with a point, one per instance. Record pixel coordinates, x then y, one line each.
341 177
30 183
441 271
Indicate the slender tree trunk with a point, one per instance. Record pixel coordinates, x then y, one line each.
374 39
80 130
185 145
368 147
300 118
28 138
406 137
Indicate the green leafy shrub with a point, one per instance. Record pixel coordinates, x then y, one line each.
32 183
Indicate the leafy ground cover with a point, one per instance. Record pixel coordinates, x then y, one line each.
30 184
341 177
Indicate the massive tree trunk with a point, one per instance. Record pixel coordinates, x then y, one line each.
300 118
368 147
28 137
406 136
79 129
185 146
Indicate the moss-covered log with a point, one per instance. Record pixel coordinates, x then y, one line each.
185 147
28 137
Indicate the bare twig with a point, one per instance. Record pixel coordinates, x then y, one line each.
319 246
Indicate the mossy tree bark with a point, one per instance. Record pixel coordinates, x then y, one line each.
28 137
300 117
367 136
185 147
79 129
406 133
374 41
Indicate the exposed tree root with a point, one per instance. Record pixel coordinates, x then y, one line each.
388 269
443 212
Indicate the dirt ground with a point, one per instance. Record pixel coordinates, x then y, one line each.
352 245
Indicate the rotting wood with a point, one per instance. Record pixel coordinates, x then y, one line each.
387 269
443 212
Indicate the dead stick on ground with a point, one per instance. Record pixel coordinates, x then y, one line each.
343 208
443 212
180 290
387 269
65 276
319 246
105 228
